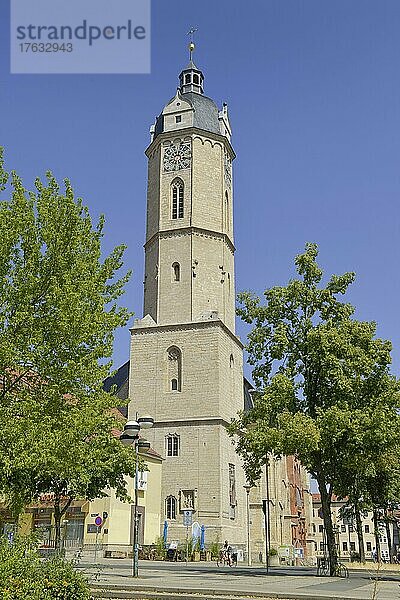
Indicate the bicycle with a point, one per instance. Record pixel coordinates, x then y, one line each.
324 570
341 571
226 558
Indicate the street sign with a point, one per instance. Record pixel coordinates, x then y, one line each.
98 521
187 518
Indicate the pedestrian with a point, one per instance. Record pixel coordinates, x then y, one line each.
374 555
227 551
234 557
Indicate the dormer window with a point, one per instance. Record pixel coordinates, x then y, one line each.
178 118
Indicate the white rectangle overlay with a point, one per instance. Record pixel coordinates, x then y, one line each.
80 36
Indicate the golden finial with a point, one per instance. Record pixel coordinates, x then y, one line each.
192 45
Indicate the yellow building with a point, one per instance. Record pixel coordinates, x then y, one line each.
117 530
79 530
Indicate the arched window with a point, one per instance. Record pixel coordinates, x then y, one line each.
170 507
176 272
174 369
231 361
177 199
172 443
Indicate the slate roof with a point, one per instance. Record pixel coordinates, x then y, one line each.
120 382
248 400
191 67
205 113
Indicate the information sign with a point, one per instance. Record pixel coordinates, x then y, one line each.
187 518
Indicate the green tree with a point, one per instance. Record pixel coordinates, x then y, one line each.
58 313
368 472
313 366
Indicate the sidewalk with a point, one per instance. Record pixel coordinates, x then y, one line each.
205 580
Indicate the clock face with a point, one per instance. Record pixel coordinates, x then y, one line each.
177 156
228 170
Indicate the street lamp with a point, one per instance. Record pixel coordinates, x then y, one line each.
248 488
266 514
130 436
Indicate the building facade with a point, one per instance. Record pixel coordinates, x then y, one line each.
78 529
186 367
346 534
290 511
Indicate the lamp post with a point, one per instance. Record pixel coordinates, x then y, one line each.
130 436
267 515
248 488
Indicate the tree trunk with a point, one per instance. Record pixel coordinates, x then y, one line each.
57 522
326 498
376 533
360 534
58 514
389 536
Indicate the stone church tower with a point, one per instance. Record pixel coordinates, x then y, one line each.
186 364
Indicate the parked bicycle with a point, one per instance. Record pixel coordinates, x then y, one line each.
324 568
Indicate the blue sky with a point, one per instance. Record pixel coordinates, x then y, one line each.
313 90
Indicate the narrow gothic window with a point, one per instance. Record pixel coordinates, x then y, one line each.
172 445
231 361
180 203
232 491
177 199
170 507
226 211
174 369
176 272
174 202
232 485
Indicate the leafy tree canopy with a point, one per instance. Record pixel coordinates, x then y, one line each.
323 381
59 308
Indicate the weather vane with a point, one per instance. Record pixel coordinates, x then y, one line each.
192 46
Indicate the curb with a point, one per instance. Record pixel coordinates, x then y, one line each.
115 591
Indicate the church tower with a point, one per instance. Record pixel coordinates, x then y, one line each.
186 363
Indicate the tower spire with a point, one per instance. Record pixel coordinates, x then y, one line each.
191 79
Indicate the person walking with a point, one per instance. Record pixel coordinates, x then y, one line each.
227 552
